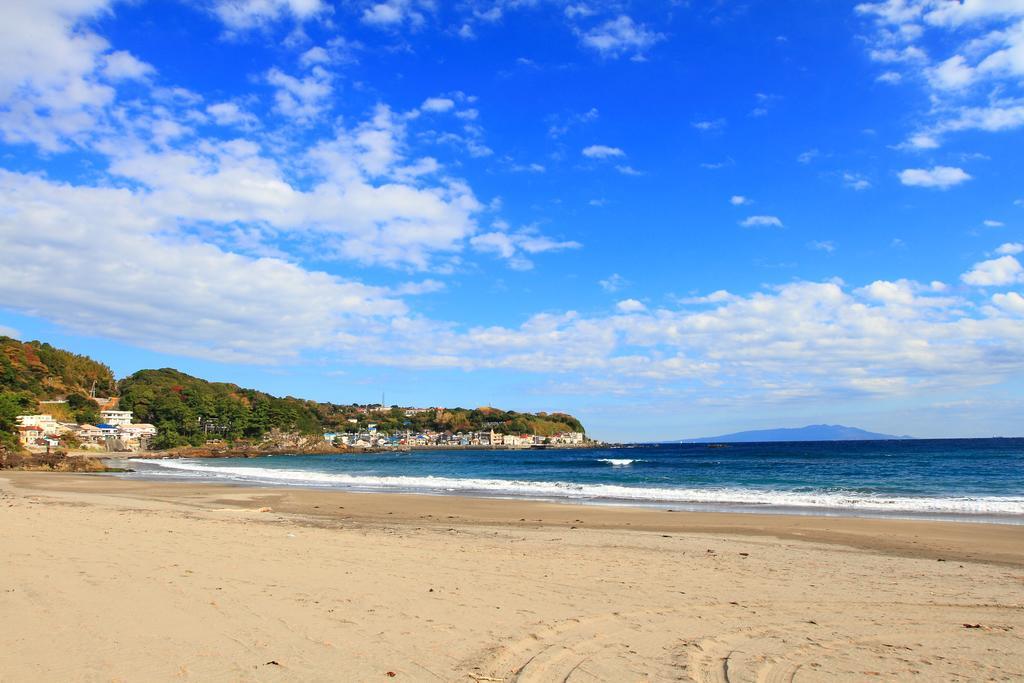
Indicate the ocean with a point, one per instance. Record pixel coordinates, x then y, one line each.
956 479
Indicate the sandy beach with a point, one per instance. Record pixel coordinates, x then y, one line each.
103 579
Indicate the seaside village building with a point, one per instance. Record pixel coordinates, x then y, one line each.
371 438
116 432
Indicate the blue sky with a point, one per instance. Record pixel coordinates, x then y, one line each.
671 219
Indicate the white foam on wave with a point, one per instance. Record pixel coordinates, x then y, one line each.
618 462
849 500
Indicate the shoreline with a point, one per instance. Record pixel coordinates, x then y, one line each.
754 501
913 538
104 578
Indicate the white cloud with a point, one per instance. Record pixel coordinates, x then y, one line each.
620 36
709 125
246 14
185 297
997 272
941 177
922 141
1009 301
976 43
314 55
951 74
383 14
528 168
1010 248
890 77
798 341
437 104
761 222
630 306
50 85
122 65
514 246
602 152
613 283
827 246
230 114
626 169
301 99
855 181
808 156
989 223
393 13
739 200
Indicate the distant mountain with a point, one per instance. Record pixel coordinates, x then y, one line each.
808 433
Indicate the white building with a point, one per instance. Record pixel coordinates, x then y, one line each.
46 423
116 418
136 431
518 441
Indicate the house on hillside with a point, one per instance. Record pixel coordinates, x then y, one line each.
46 423
28 435
116 418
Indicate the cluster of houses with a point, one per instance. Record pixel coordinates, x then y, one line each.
115 432
371 438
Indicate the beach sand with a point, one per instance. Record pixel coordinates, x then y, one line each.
105 579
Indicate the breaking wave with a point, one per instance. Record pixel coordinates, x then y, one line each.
821 499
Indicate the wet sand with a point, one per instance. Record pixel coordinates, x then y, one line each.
111 579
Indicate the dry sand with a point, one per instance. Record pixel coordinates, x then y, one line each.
104 579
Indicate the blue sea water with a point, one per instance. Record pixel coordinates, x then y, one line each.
964 479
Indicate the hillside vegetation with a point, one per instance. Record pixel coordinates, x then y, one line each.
35 371
190 411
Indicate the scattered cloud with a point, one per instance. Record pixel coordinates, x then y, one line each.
437 104
613 283
620 36
739 200
1010 248
989 223
301 99
855 181
602 152
709 126
515 246
230 114
1011 302
241 15
560 125
827 246
761 222
997 272
121 65
941 177
392 14
630 306
808 156
626 169
964 54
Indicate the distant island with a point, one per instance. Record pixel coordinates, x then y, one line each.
808 433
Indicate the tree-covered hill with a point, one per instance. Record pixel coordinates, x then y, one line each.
190 411
35 371
454 420
46 372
